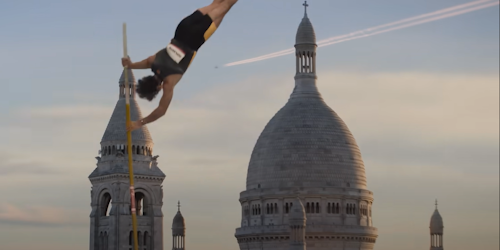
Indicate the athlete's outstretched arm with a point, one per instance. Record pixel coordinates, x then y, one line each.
168 93
144 64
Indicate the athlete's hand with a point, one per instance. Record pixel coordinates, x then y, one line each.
126 62
133 126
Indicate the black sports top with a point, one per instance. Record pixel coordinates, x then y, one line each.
174 59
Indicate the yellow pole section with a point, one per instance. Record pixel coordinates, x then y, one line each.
129 143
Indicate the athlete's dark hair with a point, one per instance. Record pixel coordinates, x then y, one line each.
147 88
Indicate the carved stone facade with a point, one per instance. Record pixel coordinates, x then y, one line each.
110 218
306 150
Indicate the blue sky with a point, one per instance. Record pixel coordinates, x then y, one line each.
422 103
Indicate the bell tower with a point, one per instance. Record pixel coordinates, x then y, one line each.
110 218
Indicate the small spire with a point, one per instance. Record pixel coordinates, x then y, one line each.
305 8
436 204
179 206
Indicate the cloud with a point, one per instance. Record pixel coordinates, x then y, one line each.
14 164
39 216
26 169
67 112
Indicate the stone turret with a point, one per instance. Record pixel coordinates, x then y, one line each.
110 218
178 231
297 224
436 229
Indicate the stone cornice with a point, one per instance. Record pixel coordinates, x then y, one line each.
125 176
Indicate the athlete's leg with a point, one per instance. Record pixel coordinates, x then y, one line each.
220 10
207 9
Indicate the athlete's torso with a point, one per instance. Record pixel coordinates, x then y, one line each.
174 59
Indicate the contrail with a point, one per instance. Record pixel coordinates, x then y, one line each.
441 14
414 23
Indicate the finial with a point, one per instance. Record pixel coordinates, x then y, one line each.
305 7
436 204
179 206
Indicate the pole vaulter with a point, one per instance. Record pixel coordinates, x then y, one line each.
171 62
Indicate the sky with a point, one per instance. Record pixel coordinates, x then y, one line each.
422 103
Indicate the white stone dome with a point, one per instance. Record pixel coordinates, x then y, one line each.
306 144
305 32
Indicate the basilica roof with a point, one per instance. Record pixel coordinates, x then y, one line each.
306 144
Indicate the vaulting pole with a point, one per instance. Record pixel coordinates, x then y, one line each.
129 143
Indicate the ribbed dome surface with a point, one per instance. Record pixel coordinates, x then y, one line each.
306 144
305 33
116 129
436 224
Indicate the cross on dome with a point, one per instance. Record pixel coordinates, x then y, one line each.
305 7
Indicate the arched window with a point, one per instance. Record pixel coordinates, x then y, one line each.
139 238
141 204
267 208
286 208
317 208
276 208
130 240
101 240
106 245
105 205
146 242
